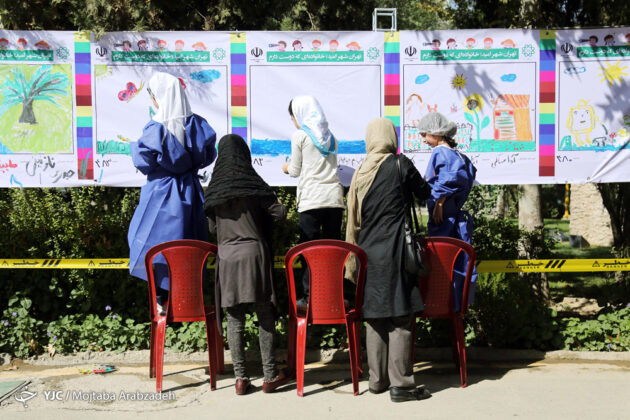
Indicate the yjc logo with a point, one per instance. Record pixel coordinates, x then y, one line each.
410 51
256 52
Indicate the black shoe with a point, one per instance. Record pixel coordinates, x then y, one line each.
377 391
401 395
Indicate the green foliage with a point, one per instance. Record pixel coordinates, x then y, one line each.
72 333
69 223
609 332
19 331
537 13
525 321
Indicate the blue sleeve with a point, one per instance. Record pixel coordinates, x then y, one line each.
147 151
448 173
203 138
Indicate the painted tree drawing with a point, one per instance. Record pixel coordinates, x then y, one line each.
36 108
44 85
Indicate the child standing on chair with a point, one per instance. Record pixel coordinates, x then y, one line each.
314 161
175 144
451 175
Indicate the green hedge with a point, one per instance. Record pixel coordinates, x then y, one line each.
75 310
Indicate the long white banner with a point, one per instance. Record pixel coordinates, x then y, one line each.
531 106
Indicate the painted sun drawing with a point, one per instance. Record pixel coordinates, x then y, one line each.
458 82
612 72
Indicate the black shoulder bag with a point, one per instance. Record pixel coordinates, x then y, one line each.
415 262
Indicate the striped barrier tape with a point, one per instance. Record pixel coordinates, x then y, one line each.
486 266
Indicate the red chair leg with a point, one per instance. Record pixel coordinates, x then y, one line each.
152 351
220 352
160 333
352 349
300 355
461 347
291 350
358 349
211 334
455 348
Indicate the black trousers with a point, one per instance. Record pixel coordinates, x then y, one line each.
324 223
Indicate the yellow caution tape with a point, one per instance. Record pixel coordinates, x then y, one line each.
487 266
95 263
553 266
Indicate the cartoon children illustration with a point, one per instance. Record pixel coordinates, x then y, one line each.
42 45
353 46
282 46
126 45
4 43
470 43
508 43
199 46
162 45
179 45
316 44
142 45
21 44
592 41
609 40
297 45
414 110
435 44
581 122
487 43
333 45
451 44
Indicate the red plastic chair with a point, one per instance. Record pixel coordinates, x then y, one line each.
437 292
185 260
325 260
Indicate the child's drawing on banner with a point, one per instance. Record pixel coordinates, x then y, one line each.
497 120
339 69
120 92
594 99
36 108
485 81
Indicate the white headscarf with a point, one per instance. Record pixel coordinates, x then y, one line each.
174 107
310 117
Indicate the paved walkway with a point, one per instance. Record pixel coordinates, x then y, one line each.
545 389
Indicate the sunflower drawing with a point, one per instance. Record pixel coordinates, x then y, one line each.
473 105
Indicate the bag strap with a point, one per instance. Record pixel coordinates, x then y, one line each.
410 206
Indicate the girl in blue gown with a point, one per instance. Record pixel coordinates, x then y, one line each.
174 145
451 175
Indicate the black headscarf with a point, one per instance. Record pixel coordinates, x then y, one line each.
233 175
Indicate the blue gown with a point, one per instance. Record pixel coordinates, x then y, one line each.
451 174
171 202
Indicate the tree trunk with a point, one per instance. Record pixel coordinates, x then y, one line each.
28 116
529 208
530 219
499 210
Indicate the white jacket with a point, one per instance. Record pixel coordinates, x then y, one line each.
319 186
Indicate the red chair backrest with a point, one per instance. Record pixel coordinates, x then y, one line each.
437 288
186 262
325 259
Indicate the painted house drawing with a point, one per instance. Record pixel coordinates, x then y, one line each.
511 118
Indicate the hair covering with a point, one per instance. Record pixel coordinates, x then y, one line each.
233 175
437 124
173 104
381 141
310 117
